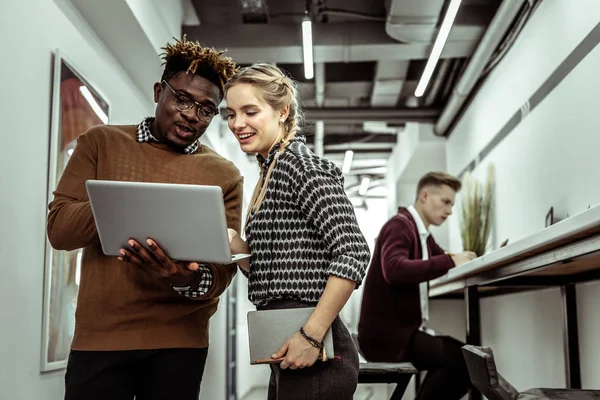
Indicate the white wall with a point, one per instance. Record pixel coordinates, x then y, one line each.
220 139
370 220
161 20
29 31
549 159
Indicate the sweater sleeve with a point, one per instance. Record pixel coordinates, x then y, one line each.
398 268
222 274
70 220
322 199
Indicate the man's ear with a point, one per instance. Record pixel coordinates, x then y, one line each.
423 195
157 91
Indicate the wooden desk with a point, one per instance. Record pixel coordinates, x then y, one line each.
561 255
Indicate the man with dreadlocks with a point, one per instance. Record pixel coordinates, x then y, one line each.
142 319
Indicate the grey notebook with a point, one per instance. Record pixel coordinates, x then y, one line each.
268 330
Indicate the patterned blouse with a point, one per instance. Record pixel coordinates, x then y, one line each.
305 230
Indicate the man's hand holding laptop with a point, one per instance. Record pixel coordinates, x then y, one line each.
158 264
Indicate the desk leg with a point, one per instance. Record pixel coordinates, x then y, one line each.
571 336
473 327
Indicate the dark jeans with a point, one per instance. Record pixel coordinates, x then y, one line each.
163 374
447 376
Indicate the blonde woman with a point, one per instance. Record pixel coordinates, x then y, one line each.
307 248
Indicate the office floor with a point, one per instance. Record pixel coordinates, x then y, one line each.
364 392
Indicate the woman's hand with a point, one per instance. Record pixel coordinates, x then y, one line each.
235 241
237 245
296 353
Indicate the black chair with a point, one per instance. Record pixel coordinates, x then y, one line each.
382 372
485 377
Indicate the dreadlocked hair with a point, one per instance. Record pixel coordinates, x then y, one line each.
192 57
277 90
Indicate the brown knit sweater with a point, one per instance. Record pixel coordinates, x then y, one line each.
120 306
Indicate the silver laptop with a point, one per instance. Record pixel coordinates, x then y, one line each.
268 330
187 221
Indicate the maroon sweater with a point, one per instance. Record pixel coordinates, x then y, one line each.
391 308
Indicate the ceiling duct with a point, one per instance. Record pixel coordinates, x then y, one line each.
254 11
338 42
411 21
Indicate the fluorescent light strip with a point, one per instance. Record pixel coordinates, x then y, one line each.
78 266
85 92
438 46
347 161
307 49
364 186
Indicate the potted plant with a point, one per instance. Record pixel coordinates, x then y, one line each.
476 212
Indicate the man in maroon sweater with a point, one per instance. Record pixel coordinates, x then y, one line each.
394 308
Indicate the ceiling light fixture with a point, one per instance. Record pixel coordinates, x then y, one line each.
438 46
364 186
347 161
307 48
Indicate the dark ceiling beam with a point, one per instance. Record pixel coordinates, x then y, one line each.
374 153
333 42
368 171
366 138
360 160
360 115
360 147
345 129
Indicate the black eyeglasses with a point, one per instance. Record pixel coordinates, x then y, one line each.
184 103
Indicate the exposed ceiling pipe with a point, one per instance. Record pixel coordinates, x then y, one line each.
319 138
359 115
500 24
320 84
441 75
451 79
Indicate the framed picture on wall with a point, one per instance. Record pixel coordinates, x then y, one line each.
76 107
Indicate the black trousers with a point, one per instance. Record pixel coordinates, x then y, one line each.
163 374
334 379
447 376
